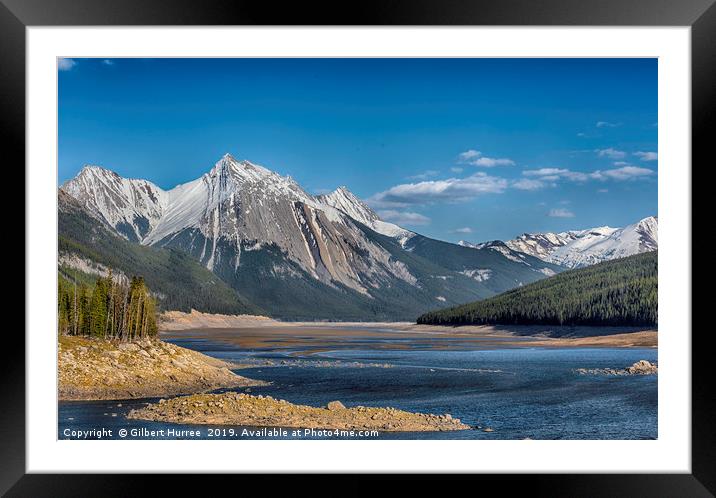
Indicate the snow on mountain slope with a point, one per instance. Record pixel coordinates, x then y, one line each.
577 248
604 244
507 251
240 206
540 245
347 202
131 207
227 184
264 235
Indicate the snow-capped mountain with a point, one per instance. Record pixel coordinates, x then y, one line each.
239 207
596 246
132 207
298 255
540 245
577 248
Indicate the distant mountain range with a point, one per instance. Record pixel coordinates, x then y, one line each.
281 250
579 248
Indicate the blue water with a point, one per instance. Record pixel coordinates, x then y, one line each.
518 392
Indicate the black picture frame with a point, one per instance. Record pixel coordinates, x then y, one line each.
700 15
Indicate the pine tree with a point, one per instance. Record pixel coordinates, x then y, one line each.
98 308
111 309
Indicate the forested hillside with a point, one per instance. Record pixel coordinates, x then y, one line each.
618 292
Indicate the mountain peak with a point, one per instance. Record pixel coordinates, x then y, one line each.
228 165
648 231
350 204
94 169
346 201
225 163
130 206
345 193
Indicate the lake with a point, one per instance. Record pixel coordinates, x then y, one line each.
518 391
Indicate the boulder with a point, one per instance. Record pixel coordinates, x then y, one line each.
642 367
335 405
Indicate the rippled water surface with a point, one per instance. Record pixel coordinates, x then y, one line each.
518 392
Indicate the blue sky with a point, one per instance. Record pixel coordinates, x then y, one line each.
474 149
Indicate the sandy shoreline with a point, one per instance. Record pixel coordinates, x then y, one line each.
641 339
252 332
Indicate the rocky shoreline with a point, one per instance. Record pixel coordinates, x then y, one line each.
94 369
232 408
641 367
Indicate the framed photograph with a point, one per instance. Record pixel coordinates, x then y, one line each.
427 238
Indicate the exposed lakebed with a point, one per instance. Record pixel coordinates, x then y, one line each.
517 391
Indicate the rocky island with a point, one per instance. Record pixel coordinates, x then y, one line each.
641 367
232 408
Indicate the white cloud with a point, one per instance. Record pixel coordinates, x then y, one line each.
108 62
611 153
65 64
463 230
451 190
490 162
624 173
560 213
424 175
423 192
554 174
469 154
647 156
602 190
476 158
404 217
627 172
607 124
528 184
456 169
